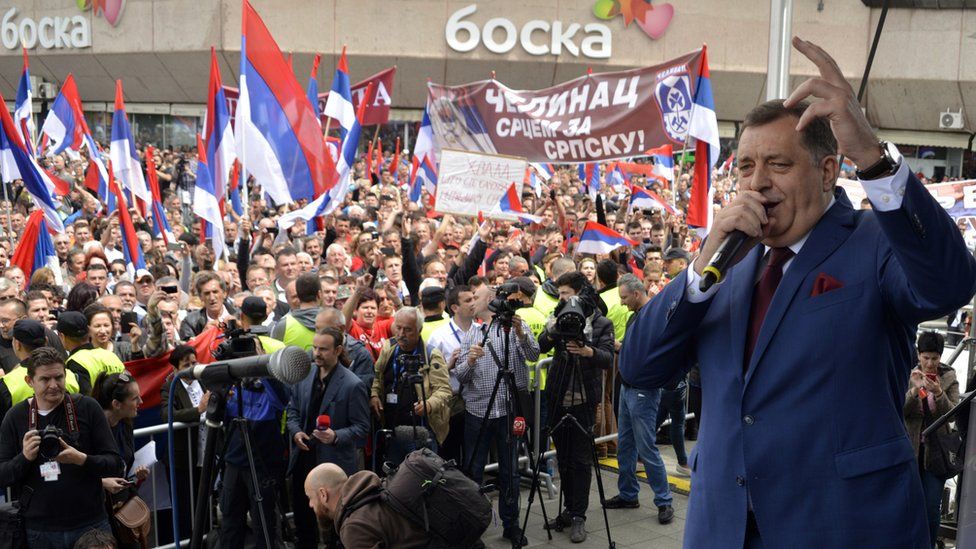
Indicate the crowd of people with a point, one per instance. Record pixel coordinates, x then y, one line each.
397 308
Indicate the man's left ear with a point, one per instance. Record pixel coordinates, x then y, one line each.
829 171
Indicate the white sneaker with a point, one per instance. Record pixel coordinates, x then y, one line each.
683 471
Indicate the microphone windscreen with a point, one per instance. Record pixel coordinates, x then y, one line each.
323 422
290 365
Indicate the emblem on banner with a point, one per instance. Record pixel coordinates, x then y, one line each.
673 95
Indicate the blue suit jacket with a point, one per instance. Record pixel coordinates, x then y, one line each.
813 433
347 404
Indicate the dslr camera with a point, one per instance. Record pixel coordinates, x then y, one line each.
50 442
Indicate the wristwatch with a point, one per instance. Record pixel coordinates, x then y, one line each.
887 165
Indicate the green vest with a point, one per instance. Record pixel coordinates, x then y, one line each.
98 361
544 303
19 390
617 312
270 344
537 323
297 334
431 326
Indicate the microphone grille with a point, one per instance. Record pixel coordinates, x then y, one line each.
290 365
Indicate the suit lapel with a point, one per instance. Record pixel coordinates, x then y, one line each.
832 230
741 282
332 389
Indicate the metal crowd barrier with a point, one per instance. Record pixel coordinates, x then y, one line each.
151 433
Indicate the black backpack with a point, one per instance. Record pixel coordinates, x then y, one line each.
435 495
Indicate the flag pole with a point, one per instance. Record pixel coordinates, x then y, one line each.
10 213
684 150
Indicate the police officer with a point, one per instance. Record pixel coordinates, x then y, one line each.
84 359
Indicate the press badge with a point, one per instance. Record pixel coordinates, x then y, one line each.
50 470
391 398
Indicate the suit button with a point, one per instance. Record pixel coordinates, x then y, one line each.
740 481
749 420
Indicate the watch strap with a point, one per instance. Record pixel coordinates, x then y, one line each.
885 165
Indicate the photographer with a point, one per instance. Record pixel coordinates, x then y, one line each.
56 450
576 391
402 404
482 356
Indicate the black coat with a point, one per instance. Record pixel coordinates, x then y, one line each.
590 371
184 445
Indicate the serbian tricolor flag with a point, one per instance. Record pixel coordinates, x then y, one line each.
394 168
339 105
218 133
727 165
543 169
589 176
131 249
643 199
160 224
36 249
151 373
313 86
598 239
331 200
22 108
663 157
423 173
510 203
17 163
125 161
278 135
206 203
235 189
704 129
616 175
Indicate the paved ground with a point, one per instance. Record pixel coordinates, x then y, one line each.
628 527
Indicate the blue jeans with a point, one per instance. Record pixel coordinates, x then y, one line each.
496 432
636 427
932 487
673 404
63 539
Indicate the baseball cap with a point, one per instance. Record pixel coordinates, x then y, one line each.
677 253
254 308
525 285
30 332
73 324
143 273
432 295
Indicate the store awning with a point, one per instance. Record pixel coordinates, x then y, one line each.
952 140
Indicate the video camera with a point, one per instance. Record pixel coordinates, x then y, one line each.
238 342
410 364
503 308
570 320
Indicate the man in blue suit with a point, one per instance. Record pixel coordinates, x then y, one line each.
805 346
331 390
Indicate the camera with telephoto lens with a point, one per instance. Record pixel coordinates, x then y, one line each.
50 442
238 342
503 308
570 320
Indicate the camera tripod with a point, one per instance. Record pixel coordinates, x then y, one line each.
513 409
412 377
216 412
569 421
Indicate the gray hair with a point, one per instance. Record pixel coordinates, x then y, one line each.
6 283
336 314
412 311
632 283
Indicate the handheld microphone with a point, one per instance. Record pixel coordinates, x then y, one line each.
288 365
323 423
518 427
717 266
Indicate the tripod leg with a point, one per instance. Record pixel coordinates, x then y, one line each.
202 510
257 495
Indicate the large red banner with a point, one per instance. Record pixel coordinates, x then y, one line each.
593 118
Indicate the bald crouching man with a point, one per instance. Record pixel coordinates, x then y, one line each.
337 498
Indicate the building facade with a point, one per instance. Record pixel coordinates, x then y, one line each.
922 80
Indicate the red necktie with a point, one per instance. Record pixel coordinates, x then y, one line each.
763 296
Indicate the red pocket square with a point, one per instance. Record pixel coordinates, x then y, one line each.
825 283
